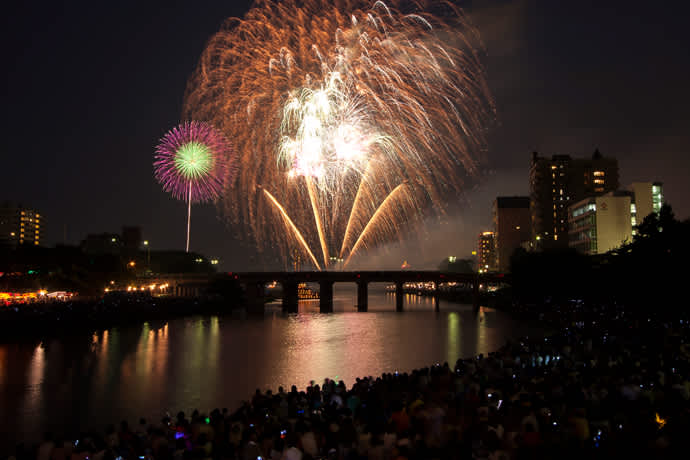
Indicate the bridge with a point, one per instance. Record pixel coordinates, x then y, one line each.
254 283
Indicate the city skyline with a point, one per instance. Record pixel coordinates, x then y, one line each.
563 81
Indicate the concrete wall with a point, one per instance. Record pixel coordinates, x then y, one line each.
613 222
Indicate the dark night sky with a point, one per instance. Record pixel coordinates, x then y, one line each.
90 87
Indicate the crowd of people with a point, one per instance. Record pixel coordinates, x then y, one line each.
606 384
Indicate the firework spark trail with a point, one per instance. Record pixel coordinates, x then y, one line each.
292 226
317 218
380 212
311 91
353 211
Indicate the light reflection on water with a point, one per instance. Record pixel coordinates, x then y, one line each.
90 380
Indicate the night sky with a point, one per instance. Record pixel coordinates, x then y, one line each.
90 87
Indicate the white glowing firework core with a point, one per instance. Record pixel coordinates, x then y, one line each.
325 133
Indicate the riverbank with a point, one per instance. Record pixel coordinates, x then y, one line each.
608 384
37 319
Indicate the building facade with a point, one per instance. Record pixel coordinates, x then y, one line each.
649 197
602 223
20 225
512 227
486 252
559 181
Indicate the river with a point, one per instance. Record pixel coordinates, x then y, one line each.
86 381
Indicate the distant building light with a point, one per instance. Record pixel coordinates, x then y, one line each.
452 259
215 261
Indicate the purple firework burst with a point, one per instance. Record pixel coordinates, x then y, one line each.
194 161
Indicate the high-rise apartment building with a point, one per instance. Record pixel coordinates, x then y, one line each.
512 227
648 198
20 225
559 181
602 223
486 252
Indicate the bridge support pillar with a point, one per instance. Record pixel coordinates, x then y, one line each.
399 293
362 295
254 293
326 296
290 297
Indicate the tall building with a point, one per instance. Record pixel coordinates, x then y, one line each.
20 225
649 197
559 181
486 252
512 227
602 223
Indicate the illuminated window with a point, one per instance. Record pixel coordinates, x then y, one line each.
598 181
599 173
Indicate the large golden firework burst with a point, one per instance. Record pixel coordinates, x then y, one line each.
348 116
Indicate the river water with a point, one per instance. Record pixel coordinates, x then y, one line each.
86 381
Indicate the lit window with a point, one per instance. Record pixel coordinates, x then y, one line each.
599 173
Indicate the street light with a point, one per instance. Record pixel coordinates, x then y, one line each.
148 255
